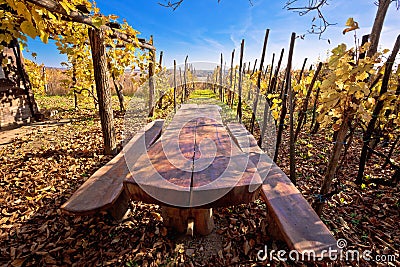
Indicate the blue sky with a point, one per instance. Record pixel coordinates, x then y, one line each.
203 29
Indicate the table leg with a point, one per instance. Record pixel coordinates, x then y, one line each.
179 218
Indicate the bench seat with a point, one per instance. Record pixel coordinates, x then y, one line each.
291 218
104 189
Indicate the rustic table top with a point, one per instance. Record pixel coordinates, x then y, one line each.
196 163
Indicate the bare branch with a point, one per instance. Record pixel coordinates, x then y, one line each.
175 5
77 16
319 22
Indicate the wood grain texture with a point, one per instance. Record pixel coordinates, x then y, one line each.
243 138
105 186
297 222
163 174
228 175
103 90
195 164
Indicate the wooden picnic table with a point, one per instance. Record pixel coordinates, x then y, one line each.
195 166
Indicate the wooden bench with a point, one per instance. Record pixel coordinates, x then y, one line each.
291 218
104 189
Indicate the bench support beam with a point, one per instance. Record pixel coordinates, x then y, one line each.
120 206
179 218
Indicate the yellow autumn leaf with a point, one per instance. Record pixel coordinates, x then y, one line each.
350 22
97 21
113 17
28 29
362 76
36 16
359 95
23 10
275 114
51 15
365 47
352 25
44 36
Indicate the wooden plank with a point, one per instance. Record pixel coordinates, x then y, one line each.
163 174
243 138
298 224
105 186
222 172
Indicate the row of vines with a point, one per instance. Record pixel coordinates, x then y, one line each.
348 95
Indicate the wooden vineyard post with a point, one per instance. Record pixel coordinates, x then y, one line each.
234 88
74 84
216 80
250 87
96 38
302 112
315 110
363 41
224 87
182 85
161 59
230 95
275 77
221 96
302 70
265 71
184 79
244 75
253 117
175 86
44 77
151 78
292 145
254 67
118 89
239 108
391 150
193 74
299 80
284 98
270 75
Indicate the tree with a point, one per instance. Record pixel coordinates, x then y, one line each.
48 18
342 95
383 6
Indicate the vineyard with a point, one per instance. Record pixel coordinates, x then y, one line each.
332 126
